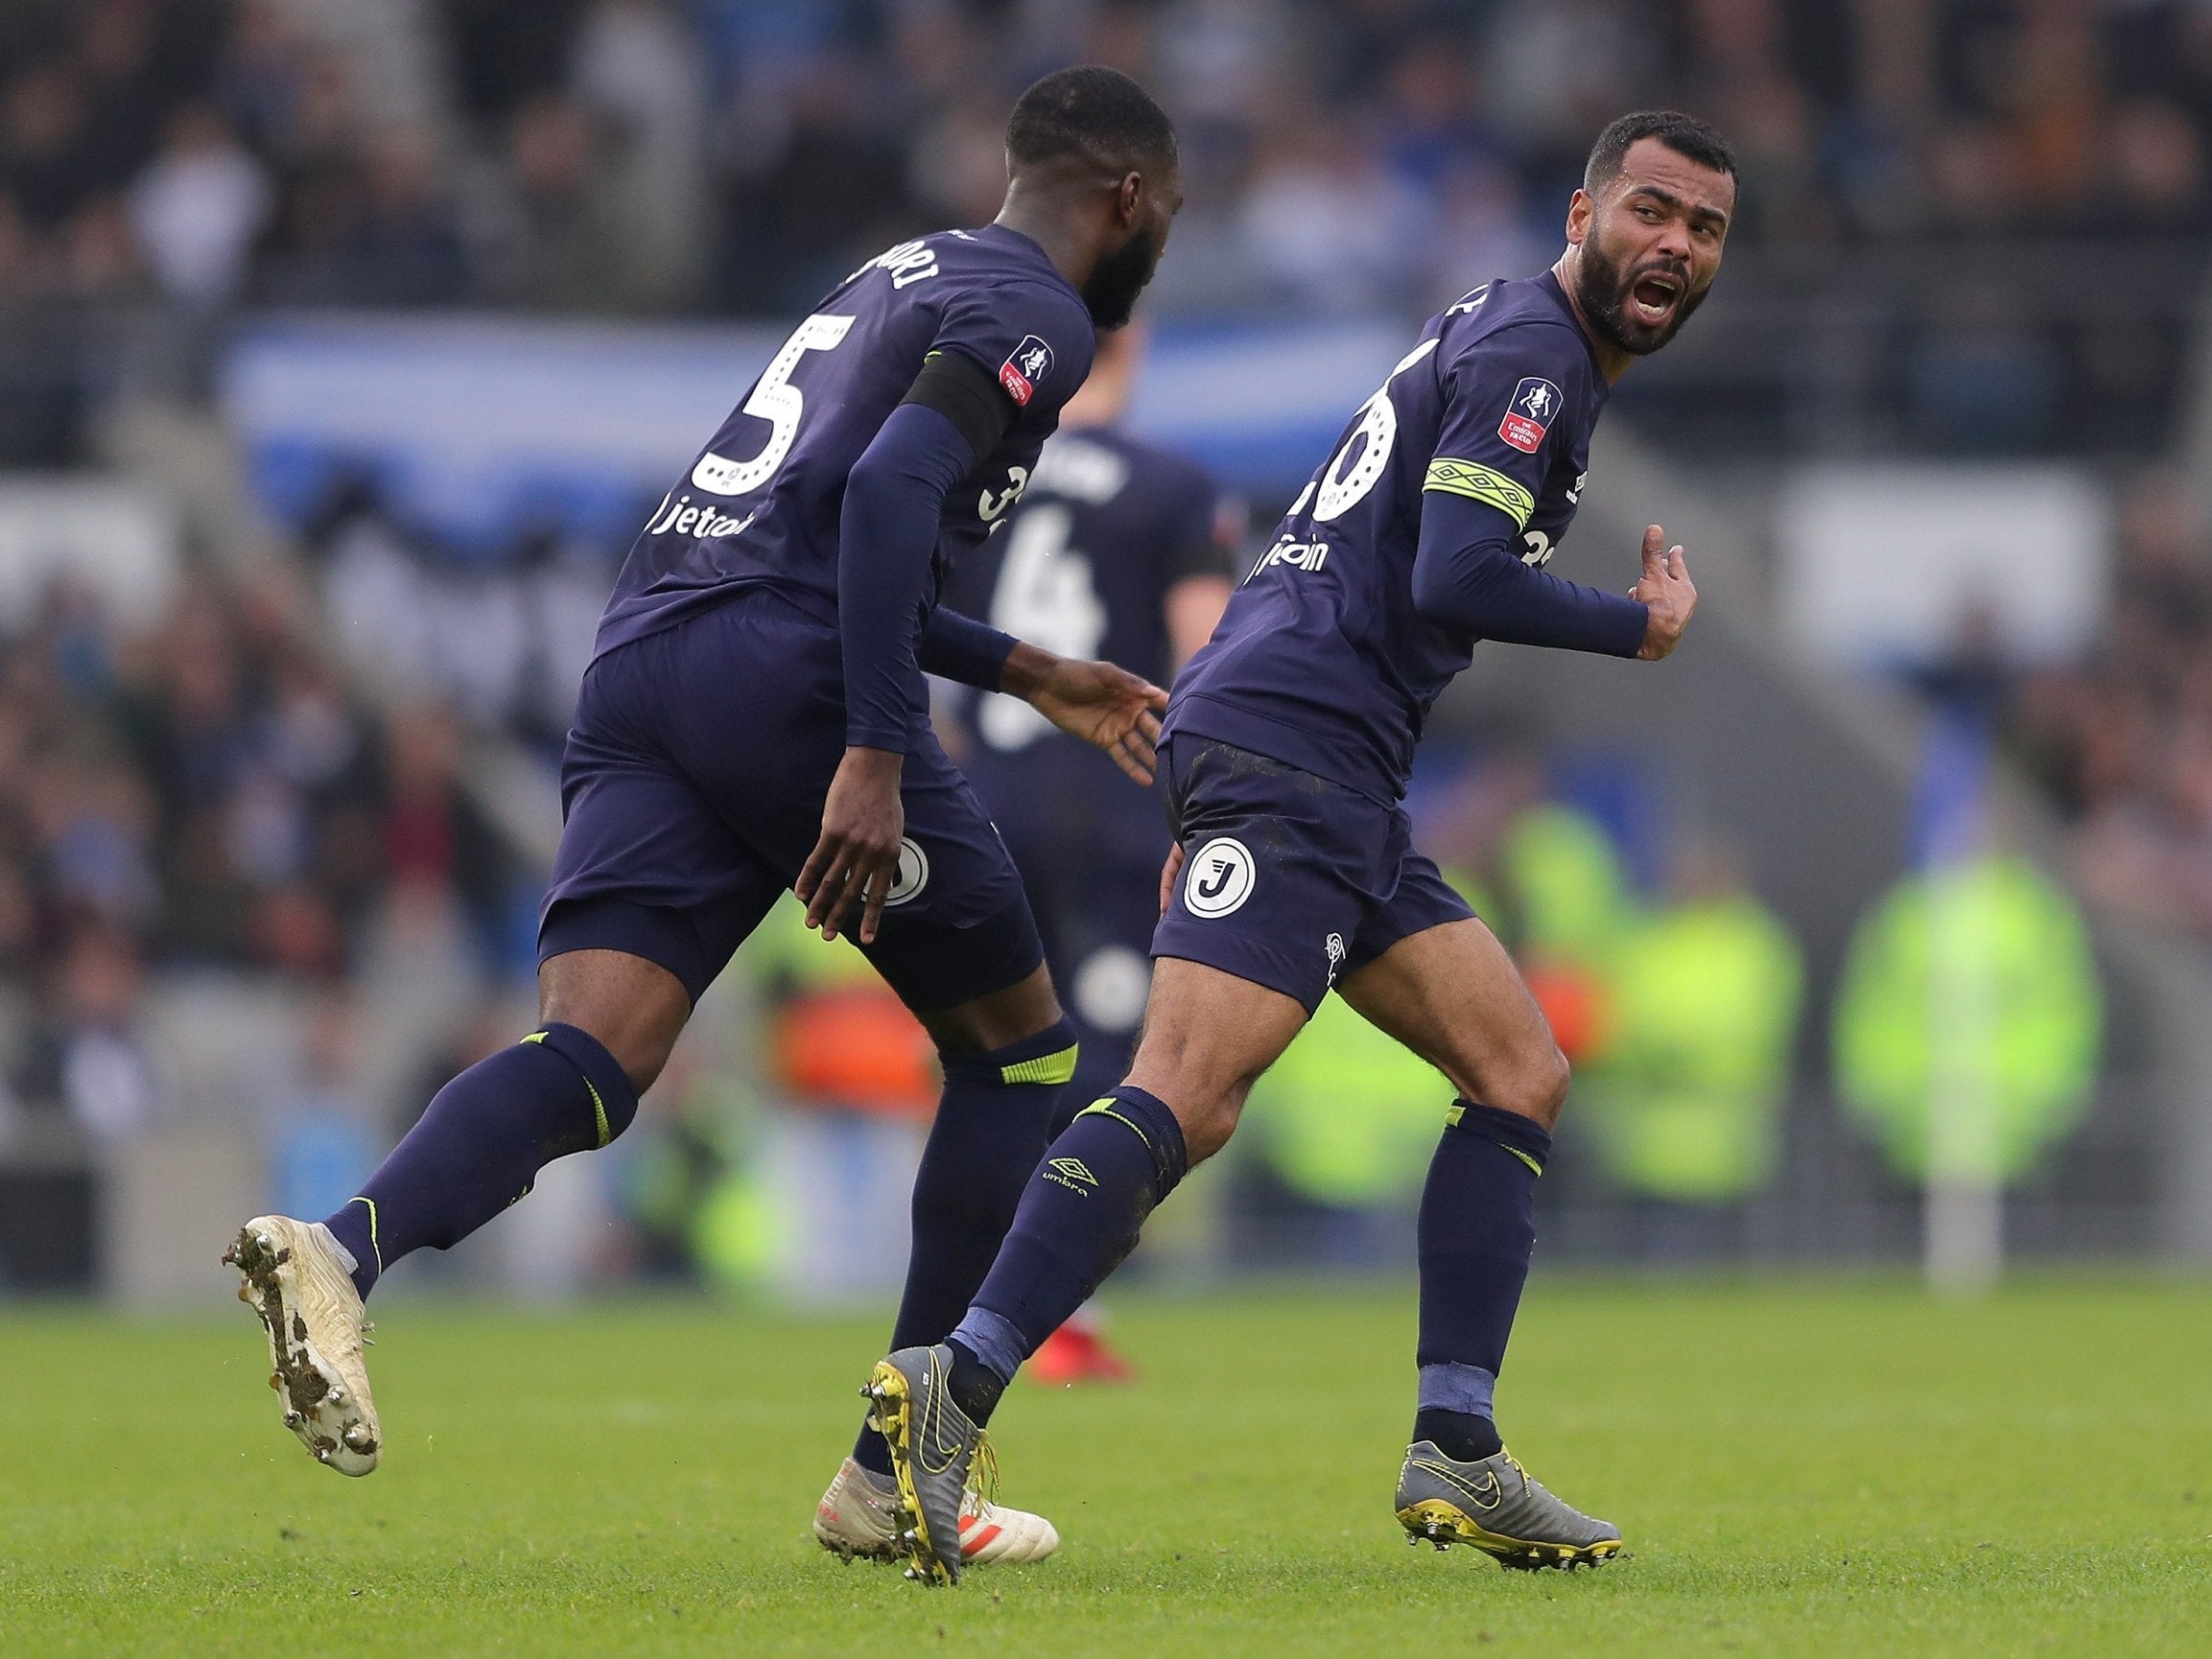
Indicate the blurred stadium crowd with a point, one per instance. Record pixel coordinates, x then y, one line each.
2122 739
206 794
740 155
226 791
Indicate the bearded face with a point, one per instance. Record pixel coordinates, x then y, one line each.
1637 306
1119 278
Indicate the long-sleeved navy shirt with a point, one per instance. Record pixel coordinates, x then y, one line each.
764 504
1425 530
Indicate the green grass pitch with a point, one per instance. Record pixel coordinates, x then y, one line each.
1809 1467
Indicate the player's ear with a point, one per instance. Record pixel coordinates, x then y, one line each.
1579 208
1129 198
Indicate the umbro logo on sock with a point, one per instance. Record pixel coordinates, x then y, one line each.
1069 1173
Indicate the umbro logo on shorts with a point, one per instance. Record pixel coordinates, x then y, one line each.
1220 877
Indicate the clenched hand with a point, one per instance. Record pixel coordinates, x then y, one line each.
1665 589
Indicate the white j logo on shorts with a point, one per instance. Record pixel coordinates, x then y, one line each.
913 873
1219 879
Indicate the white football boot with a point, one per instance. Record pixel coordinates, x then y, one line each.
859 1517
297 1279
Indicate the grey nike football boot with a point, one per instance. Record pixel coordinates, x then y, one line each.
937 1452
1497 1505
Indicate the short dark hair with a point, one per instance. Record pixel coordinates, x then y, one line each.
1095 113
1684 135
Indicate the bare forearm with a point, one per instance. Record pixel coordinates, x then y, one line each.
1027 670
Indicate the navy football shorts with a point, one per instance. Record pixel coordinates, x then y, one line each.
692 792
1289 880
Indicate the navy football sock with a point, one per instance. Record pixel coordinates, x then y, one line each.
1469 1436
1079 1217
990 1132
1477 1228
976 1385
481 1144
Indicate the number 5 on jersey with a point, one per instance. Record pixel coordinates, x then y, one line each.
775 400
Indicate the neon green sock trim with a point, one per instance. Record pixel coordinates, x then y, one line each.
1452 1119
599 1106
1103 1107
376 1248
1057 1067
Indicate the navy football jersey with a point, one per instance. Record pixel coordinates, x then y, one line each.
1321 660
760 507
1109 523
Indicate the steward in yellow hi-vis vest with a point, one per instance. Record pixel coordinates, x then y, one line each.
1686 1102
1973 985
1348 1116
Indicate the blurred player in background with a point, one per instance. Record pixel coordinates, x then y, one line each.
1285 758
754 721
1125 551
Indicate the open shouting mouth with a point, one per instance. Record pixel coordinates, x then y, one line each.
1653 296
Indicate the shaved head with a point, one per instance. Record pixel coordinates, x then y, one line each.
1090 114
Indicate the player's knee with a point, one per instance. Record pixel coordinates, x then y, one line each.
1045 1057
1018 1013
1536 1088
642 1062
632 1008
1206 1123
642 1050
1205 1109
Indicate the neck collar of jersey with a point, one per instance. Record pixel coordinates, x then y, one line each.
1023 242
1552 286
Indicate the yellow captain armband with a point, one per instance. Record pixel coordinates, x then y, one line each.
1486 484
